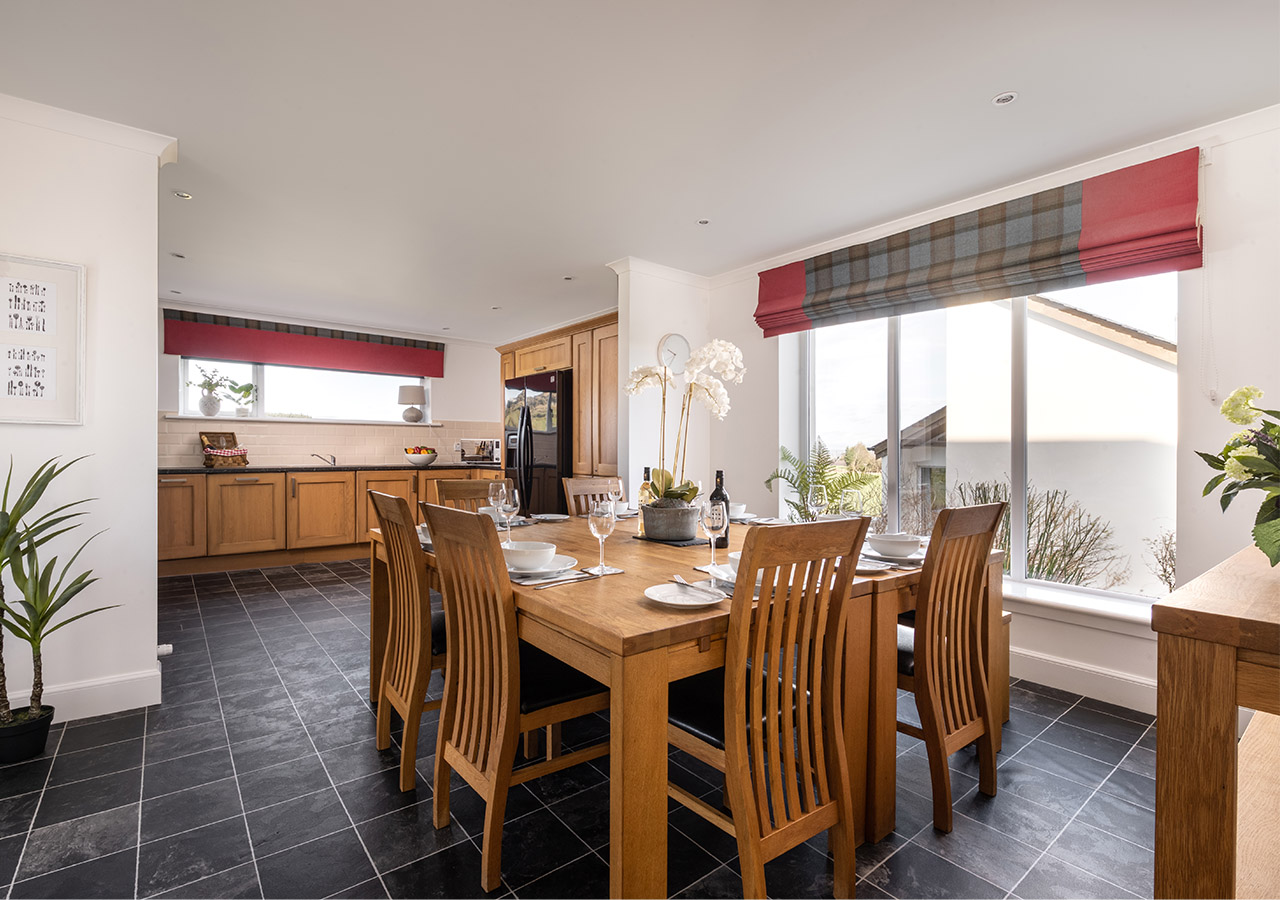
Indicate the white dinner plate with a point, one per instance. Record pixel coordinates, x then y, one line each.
771 520
680 596
743 519
559 563
550 517
915 559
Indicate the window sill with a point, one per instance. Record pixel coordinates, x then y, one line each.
285 420
1091 609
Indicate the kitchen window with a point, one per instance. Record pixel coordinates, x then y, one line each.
290 392
1062 403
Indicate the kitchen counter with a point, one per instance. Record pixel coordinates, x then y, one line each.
322 467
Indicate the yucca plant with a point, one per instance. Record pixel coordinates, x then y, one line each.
14 530
31 618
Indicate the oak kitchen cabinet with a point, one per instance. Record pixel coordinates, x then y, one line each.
321 509
181 524
400 483
246 512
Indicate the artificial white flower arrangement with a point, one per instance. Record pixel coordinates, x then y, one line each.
705 374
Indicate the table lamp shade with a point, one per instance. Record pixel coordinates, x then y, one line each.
412 394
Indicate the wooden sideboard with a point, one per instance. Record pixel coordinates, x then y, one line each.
1219 649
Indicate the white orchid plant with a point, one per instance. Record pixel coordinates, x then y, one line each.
705 374
1251 461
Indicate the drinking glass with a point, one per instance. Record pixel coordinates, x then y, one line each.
715 519
850 502
816 502
600 519
615 494
508 506
497 493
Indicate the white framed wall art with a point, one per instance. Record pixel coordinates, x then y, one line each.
42 341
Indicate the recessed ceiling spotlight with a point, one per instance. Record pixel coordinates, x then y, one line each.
175 292
178 255
495 307
444 328
704 221
182 195
568 278
1004 99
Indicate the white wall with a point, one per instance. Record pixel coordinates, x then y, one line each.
81 190
1107 653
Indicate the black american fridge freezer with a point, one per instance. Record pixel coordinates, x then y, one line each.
538 439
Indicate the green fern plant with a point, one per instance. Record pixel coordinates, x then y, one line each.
821 468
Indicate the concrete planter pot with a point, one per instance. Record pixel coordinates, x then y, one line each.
670 523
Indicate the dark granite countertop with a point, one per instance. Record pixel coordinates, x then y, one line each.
266 470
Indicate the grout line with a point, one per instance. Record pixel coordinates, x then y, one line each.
34 814
142 791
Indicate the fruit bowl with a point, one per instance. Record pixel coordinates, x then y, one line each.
420 459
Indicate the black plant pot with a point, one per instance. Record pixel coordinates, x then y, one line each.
24 739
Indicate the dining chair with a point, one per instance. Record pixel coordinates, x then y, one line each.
415 637
581 492
466 494
940 659
496 686
773 718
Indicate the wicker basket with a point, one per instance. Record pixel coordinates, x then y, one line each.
222 450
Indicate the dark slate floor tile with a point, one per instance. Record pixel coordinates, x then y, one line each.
235 682
913 771
25 777
536 844
1039 704
1124 730
82 737
1109 813
10 852
721 845
1119 862
912 812
105 877
1042 787
192 808
358 760
405 835
587 815
172 694
453 872
983 851
686 862
1122 712
468 809
296 821
273 749
82 798
1047 691
1137 789
259 724
724 882
1148 741
16 813
104 760
1088 743
915 872
169 718
378 794
316 869
366 890
868 891
334 706
872 855
184 741
353 730
255 700
184 772
173 861
565 783
240 883
586 876
1052 878
1140 761
1022 819
1063 762
79 840
1026 723
800 872
285 781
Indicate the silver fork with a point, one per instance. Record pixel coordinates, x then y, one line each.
709 591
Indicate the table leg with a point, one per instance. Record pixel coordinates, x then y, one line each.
638 775
379 617
857 691
882 718
1195 768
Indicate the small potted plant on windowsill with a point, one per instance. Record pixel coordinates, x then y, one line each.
217 387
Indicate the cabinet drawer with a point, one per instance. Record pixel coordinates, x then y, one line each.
544 357
246 513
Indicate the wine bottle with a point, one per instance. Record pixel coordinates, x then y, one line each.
643 498
719 496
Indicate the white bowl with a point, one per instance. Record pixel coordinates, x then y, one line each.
619 508
420 459
737 509
490 511
524 555
897 545
734 558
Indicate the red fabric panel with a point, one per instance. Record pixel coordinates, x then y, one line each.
1141 220
210 341
781 302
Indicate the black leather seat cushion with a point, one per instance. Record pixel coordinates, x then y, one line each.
696 704
438 643
546 681
906 649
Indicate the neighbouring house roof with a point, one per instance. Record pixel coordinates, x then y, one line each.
1112 332
932 429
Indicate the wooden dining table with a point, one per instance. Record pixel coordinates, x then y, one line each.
606 628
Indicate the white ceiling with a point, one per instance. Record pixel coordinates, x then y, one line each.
408 165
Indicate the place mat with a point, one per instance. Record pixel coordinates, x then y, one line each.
696 542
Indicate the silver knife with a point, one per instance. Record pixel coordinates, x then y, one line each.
572 579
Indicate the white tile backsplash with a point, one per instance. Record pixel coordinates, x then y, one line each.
292 443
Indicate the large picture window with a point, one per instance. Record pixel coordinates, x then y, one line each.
1063 404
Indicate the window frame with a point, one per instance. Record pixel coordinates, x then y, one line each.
257 406
1018 447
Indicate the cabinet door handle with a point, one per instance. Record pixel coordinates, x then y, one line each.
173 481
294 487
539 368
245 479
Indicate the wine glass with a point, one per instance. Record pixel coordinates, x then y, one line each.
497 493
615 494
816 501
508 505
715 519
600 519
851 502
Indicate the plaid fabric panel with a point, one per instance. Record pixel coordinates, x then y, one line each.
285 328
1020 247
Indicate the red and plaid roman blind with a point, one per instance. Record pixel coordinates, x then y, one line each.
1135 221
253 340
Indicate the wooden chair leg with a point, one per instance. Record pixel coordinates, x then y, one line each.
533 743
844 853
751 861
409 745
440 803
940 776
382 739
553 741
491 846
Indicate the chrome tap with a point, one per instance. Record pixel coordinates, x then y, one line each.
331 459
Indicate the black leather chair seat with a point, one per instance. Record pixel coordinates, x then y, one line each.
546 681
696 704
906 649
438 643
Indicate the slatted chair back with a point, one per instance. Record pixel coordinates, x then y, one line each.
785 756
581 493
949 671
407 661
482 675
466 494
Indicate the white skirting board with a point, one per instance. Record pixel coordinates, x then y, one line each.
98 697
1109 685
